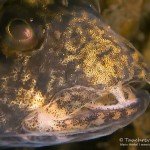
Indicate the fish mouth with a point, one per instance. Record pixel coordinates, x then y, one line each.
84 109
108 111
123 96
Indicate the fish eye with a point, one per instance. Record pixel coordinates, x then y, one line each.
19 30
20 33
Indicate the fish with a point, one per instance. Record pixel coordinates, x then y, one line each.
65 75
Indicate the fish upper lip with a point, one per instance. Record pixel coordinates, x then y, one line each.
128 102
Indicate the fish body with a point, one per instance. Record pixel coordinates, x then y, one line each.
65 76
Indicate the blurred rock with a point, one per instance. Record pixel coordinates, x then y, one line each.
124 16
146 51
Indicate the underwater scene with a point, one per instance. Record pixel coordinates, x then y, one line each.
74 74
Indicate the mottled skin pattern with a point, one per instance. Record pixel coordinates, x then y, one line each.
76 86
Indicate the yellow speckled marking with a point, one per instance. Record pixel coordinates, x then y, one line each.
100 120
117 115
32 99
130 111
